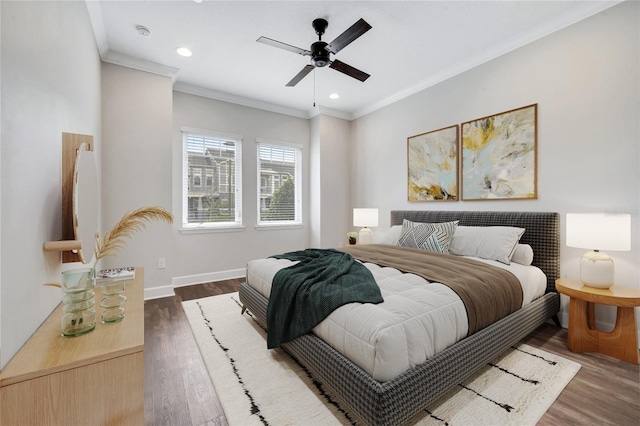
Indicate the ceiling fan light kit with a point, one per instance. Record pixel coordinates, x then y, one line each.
320 51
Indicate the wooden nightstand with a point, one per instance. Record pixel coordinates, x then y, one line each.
622 341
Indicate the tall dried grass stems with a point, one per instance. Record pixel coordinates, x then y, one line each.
130 223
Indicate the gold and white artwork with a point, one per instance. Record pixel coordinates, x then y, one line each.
499 156
433 165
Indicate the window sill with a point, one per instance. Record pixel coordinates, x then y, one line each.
278 226
207 229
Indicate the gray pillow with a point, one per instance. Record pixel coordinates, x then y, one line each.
486 242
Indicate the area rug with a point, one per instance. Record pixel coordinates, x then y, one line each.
257 386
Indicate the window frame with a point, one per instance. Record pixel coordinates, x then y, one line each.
298 148
236 224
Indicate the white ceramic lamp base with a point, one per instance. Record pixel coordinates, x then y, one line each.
365 236
596 269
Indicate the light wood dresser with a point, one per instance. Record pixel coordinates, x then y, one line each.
94 379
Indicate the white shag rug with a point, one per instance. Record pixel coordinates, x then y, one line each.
257 386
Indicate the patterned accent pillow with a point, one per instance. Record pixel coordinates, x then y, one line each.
427 236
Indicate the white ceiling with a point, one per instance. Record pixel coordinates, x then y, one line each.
412 45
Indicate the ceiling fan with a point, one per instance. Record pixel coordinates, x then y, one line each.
320 51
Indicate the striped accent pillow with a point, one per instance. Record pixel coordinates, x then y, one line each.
427 236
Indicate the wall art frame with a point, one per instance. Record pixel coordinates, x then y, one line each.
432 165
499 156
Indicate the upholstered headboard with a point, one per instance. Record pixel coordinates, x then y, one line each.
542 231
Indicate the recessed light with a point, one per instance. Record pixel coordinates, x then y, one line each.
334 96
183 51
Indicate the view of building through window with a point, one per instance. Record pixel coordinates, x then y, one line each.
212 179
279 197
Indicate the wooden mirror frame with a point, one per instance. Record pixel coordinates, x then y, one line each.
70 246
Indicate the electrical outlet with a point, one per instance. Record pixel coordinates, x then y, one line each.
162 263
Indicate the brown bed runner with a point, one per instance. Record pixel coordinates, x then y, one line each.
489 293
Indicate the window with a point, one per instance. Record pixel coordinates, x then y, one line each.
280 183
212 179
209 177
197 176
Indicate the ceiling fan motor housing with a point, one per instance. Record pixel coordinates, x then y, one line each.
321 51
319 54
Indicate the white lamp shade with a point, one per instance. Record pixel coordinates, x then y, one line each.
365 217
599 231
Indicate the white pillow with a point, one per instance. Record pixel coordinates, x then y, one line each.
434 237
523 254
486 242
392 235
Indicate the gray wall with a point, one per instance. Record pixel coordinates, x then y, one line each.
331 188
585 80
335 186
207 256
50 84
136 120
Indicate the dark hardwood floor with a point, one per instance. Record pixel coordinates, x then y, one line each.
178 390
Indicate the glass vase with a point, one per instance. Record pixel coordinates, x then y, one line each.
79 315
112 302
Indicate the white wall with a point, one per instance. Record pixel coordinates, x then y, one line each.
585 80
50 84
208 256
136 157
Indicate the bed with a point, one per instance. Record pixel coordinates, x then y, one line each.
396 400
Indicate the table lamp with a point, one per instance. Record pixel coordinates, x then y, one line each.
598 231
365 218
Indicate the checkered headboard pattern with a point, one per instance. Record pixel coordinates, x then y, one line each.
542 231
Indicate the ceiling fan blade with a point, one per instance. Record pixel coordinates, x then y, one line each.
349 70
285 46
352 33
302 74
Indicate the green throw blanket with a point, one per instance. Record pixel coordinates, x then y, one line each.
304 294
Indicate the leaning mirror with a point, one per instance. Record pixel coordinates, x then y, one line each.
85 203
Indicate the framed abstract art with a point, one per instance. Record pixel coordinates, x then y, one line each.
499 156
432 165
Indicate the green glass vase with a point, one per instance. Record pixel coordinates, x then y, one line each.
79 315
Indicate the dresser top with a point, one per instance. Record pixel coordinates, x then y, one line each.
47 352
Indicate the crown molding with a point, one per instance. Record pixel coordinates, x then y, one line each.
252 103
320 110
97 23
240 100
590 8
140 64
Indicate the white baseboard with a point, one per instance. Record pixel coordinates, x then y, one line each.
158 292
167 291
208 277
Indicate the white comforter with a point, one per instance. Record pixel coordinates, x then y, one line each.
416 320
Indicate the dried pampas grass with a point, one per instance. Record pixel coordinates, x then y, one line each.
130 223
